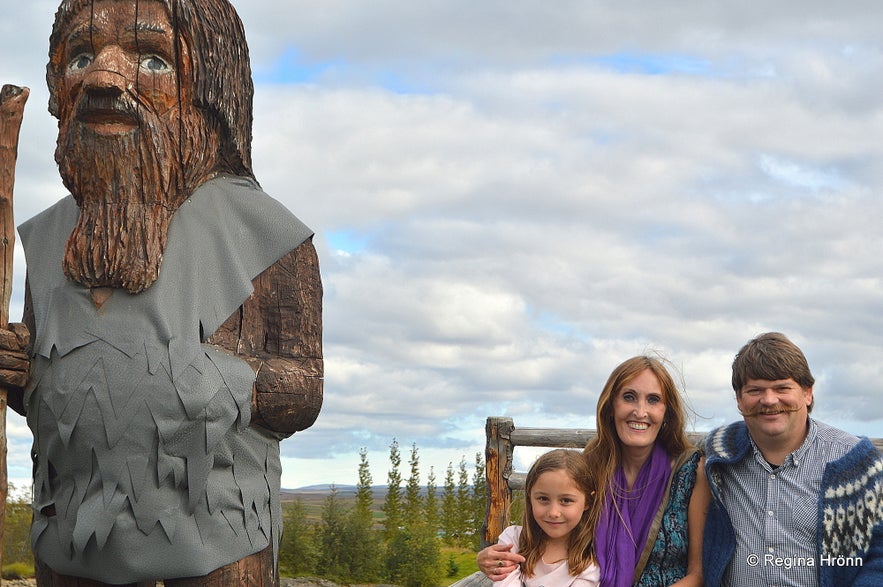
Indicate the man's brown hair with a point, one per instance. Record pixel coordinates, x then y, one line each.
771 356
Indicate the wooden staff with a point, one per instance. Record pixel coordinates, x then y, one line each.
12 105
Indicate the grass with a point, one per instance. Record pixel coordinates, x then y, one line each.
463 558
17 571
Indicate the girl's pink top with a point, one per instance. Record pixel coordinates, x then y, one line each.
554 575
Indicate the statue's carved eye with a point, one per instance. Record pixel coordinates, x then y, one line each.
154 64
80 62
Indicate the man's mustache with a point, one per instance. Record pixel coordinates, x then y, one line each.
769 410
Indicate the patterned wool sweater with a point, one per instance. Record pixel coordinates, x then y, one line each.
850 521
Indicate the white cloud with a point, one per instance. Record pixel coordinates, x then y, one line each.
537 194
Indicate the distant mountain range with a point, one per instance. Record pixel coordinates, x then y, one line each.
344 491
326 487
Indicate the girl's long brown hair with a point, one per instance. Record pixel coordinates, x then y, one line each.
580 542
604 452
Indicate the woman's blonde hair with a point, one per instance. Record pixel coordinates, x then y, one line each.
604 452
580 542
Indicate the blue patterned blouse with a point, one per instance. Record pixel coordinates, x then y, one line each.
668 558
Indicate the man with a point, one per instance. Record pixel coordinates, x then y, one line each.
173 310
795 502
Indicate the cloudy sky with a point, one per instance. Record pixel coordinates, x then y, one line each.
512 196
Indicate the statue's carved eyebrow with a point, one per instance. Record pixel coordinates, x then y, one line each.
147 27
88 30
82 31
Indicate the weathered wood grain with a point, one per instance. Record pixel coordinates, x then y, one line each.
12 105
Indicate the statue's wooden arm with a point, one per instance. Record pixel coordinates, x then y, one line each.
278 330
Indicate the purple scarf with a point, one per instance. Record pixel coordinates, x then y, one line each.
619 539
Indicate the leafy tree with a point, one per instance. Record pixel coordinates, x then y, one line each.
430 504
298 552
364 492
479 500
332 539
414 558
413 503
449 515
347 546
413 554
392 506
465 528
363 544
17 528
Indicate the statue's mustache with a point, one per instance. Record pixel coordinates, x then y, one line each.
97 104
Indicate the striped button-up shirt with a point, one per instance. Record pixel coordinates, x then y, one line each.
775 514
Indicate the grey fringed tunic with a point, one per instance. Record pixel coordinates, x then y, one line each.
142 440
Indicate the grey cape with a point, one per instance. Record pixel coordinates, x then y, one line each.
142 442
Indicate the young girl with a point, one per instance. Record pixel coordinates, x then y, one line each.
556 538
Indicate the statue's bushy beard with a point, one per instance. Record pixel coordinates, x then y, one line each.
128 186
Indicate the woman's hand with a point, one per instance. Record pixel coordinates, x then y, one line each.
497 562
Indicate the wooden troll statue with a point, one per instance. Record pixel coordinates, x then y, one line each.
172 328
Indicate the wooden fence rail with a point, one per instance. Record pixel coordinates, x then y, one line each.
502 437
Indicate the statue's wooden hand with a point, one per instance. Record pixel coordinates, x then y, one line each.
288 395
15 363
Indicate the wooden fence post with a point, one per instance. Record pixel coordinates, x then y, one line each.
498 467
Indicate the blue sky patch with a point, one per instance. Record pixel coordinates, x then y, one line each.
552 322
800 175
398 83
292 68
644 63
347 241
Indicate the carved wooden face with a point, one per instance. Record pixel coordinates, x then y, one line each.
131 144
118 48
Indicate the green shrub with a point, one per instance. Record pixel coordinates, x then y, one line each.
453 567
17 528
17 571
